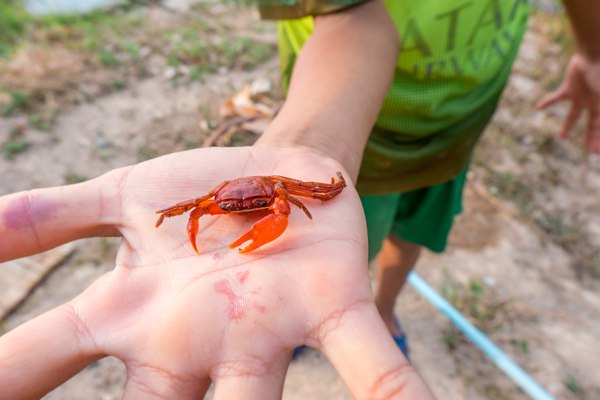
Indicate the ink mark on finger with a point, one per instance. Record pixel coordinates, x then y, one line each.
23 212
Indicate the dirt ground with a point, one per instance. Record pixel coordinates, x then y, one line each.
522 263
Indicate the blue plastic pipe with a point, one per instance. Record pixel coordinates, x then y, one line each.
503 362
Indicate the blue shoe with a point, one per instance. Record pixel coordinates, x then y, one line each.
297 351
401 340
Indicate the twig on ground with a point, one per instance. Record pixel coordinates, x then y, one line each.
210 140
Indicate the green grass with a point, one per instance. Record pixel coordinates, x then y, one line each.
192 50
13 23
523 345
450 340
16 131
132 48
573 387
557 26
118 84
512 188
105 246
39 122
123 28
245 52
237 52
88 32
13 147
18 101
197 74
118 38
145 153
109 59
174 60
474 302
74 178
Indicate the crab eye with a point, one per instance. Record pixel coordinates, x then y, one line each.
225 206
259 203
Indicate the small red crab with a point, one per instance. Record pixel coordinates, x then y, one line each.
250 194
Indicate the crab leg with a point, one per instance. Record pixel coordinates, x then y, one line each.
281 192
316 190
185 206
267 229
206 207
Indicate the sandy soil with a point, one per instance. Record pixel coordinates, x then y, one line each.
522 262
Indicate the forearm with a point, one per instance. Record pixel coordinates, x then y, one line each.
338 85
585 18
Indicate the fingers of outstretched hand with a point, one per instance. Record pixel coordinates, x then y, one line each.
363 352
551 98
250 378
592 137
570 120
43 353
151 382
574 113
38 220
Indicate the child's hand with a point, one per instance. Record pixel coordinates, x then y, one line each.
582 86
178 320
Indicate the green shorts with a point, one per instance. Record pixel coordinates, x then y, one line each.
423 216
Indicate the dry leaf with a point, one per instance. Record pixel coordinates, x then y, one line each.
257 126
204 126
243 104
227 109
260 85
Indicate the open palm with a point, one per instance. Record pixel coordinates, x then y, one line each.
179 320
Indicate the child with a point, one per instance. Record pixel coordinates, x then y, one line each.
455 61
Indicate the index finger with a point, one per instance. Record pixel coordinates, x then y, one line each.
37 220
363 352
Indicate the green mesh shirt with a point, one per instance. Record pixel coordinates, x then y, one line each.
455 60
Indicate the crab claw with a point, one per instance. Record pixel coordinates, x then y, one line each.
206 207
192 230
262 232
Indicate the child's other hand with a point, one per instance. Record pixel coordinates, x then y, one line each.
582 87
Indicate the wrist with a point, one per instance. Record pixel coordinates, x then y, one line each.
302 141
304 157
